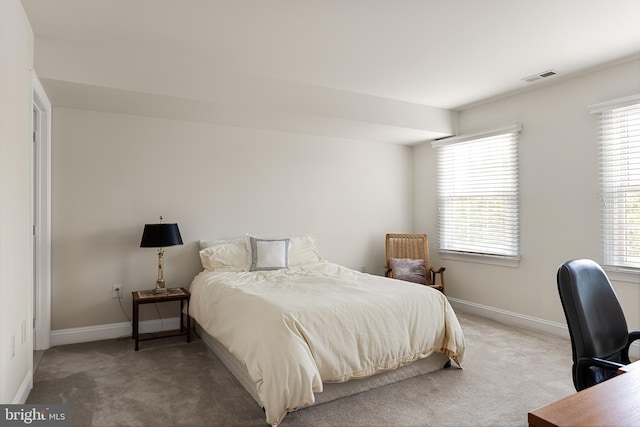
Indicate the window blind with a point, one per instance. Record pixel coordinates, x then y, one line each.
478 193
620 176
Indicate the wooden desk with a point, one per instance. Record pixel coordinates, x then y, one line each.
635 366
615 402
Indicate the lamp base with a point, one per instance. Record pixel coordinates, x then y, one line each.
160 288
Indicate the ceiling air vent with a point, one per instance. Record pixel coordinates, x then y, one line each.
539 76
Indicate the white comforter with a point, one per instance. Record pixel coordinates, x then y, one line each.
298 327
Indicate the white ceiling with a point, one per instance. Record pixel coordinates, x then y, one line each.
445 54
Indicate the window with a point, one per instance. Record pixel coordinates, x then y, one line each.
620 174
478 193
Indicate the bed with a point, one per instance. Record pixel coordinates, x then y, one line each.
292 326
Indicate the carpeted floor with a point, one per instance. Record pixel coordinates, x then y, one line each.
507 372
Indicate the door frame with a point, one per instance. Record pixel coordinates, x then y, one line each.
41 210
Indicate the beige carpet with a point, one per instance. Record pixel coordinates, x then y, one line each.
507 372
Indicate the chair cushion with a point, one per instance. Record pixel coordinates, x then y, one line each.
410 270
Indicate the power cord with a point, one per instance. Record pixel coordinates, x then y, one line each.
127 337
131 322
122 308
161 320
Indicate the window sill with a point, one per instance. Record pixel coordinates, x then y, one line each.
481 259
620 274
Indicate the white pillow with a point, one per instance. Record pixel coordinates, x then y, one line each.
302 250
225 257
206 243
267 254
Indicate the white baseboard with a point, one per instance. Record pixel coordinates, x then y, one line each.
522 321
510 317
23 391
110 331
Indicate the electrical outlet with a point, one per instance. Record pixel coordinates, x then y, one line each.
116 291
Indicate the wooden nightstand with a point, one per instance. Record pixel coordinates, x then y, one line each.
148 297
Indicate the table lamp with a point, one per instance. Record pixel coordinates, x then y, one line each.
160 236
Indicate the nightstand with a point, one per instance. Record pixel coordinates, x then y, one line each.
149 297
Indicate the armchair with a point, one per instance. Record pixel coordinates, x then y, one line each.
414 247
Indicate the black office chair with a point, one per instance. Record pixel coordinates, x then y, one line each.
600 339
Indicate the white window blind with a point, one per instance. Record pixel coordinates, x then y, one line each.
620 175
478 193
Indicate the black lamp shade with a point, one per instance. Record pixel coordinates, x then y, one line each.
160 236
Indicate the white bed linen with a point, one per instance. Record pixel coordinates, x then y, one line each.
295 328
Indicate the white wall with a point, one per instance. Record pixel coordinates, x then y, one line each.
16 59
113 173
559 201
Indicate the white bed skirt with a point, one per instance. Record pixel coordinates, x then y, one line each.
332 391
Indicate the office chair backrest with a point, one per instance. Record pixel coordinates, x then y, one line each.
595 319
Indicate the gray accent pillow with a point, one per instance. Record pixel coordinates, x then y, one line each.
410 270
269 254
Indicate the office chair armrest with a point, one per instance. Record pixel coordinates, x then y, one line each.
586 362
633 336
600 363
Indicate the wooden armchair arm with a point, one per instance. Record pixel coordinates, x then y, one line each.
432 273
